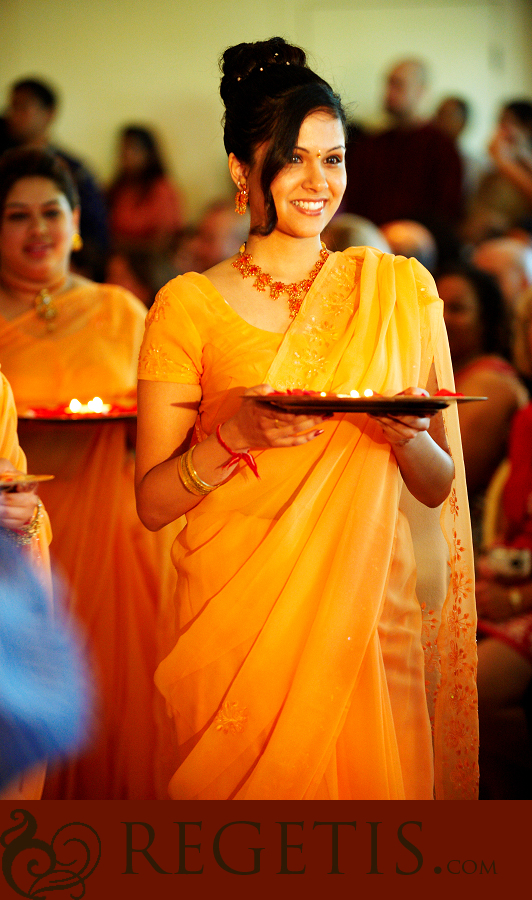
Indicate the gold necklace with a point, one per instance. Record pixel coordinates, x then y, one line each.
296 291
44 305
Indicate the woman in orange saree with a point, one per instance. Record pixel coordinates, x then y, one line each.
306 659
111 566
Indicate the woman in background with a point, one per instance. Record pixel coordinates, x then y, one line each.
62 336
145 209
504 602
479 340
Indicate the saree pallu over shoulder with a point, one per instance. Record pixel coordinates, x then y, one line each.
299 670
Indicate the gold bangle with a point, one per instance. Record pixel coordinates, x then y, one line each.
516 599
190 478
26 533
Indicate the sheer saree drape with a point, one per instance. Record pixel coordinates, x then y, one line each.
299 671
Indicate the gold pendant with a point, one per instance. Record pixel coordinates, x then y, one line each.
45 309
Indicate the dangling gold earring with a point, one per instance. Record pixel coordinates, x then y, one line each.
77 241
241 199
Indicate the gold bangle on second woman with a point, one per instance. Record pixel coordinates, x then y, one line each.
190 478
25 534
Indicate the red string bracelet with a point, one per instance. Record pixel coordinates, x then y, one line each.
445 393
235 455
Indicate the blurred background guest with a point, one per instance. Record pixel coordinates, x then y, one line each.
27 122
220 234
509 260
141 271
411 239
479 338
411 170
145 208
503 199
63 336
452 117
504 602
347 230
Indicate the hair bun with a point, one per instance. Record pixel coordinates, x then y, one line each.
242 60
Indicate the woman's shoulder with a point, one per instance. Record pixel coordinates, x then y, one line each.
189 289
192 295
110 293
109 302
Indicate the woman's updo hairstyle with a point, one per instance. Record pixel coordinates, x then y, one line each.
268 90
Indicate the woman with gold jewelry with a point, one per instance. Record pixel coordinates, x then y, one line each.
64 337
298 670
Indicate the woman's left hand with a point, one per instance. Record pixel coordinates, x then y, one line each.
401 430
16 507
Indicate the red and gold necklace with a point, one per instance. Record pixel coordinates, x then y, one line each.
296 291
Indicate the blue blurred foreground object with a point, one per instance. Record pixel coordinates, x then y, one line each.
44 693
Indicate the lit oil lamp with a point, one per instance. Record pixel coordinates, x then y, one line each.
96 405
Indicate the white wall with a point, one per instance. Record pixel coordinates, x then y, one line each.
155 62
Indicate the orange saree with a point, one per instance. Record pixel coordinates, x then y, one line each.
311 661
111 566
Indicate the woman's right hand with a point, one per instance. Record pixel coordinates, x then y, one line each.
255 426
16 507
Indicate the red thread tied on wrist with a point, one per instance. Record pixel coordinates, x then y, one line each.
445 393
237 455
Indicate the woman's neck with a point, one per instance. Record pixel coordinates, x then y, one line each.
282 256
23 291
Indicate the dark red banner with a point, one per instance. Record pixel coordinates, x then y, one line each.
282 849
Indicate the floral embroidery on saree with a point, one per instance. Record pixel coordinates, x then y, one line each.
317 335
155 361
231 718
158 309
459 751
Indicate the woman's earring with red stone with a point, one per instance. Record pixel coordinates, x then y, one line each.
241 199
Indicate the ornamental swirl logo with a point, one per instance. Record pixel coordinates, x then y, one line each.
34 868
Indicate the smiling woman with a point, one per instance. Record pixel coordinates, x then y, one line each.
298 670
62 336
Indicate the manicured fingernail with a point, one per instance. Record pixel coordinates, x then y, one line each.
317 433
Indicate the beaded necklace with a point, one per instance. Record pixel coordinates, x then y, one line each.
296 291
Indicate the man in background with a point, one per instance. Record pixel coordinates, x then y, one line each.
411 170
27 122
